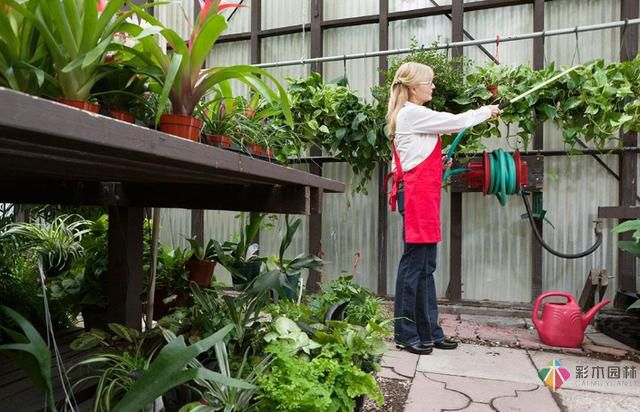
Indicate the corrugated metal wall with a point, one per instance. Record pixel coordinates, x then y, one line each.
496 241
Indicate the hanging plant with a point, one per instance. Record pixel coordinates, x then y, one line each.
331 116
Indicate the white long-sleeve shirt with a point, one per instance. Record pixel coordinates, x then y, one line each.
417 130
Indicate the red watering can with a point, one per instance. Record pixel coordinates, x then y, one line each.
562 323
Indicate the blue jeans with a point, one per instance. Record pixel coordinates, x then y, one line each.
416 306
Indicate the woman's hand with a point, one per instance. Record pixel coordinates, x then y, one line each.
495 110
446 165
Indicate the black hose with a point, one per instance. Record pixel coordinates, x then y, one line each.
589 251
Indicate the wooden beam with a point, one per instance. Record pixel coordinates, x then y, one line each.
383 214
538 143
256 23
315 220
628 185
124 273
619 212
374 18
259 198
454 289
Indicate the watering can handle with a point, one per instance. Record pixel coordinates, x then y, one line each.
536 306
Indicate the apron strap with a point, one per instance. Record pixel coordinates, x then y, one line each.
398 177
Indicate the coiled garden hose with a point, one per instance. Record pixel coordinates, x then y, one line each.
503 182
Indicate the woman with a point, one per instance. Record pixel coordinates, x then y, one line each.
417 170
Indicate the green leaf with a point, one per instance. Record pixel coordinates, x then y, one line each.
35 357
163 100
212 28
168 371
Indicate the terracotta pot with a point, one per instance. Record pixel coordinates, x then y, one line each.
186 127
122 115
254 149
219 140
200 271
493 89
90 107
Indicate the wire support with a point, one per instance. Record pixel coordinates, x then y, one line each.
492 40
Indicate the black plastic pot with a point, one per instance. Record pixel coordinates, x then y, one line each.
249 271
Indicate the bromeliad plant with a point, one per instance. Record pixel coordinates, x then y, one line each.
77 37
179 73
24 63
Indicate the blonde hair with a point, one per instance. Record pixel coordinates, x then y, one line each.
408 75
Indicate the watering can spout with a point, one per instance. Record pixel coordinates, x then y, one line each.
587 317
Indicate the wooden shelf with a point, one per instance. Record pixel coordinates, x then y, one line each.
52 153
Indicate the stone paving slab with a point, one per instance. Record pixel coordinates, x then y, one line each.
591 381
402 362
389 373
481 362
428 395
476 407
536 400
481 390
581 401
601 339
590 347
496 335
500 322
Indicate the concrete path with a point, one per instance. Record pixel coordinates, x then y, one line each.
499 368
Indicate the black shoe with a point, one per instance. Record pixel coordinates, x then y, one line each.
418 348
446 344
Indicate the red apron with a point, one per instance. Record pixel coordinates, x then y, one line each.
422 188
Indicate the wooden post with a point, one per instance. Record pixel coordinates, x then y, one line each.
538 143
124 273
256 26
628 160
383 167
315 219
454 290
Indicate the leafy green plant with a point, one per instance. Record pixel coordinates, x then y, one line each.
180 74
291 336
55 244
331 116
77 37
282 275
169 370
121 88
630 246
327 382
199 252
34 356
363 305
172 274
24 63
218 397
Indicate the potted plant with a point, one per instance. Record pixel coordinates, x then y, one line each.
218 124
77 37
120 91
241 257
172 281
201 263
181 77
55 244
282 275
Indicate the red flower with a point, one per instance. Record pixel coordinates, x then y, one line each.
101 5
